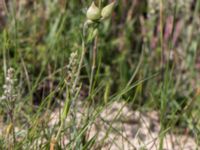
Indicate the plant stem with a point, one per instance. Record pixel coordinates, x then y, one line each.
94 53
162 74
74 86
11 114
81 60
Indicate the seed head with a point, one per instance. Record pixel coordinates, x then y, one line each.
8 87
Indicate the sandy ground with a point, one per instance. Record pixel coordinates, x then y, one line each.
127 130
130 130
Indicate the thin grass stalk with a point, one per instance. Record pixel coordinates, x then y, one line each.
162 72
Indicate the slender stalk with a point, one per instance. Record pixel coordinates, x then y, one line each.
59 130
4 62
5 7
13 128
81 59
12 121
162 74
161 35
74 86
94 53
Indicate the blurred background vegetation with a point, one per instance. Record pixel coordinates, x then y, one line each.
157 40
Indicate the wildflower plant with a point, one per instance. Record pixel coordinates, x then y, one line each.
9 95
8 101
95 16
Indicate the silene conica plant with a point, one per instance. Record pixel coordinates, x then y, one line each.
95 15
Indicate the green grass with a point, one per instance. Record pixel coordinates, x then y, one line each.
119 64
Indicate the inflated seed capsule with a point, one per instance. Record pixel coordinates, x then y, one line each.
107 10
93 12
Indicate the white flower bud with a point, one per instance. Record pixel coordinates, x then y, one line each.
93 13
107 10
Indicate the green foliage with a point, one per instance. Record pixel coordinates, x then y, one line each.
126 58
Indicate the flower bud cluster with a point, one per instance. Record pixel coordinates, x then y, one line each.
94 13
